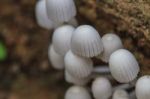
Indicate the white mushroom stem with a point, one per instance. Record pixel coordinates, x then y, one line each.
125 86
101 70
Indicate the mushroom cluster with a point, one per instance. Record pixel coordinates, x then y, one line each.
73 47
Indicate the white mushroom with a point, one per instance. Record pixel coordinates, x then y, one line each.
56 60
78 66
120 94
101 88
86 41
60 10
41 15
61 39
111 43
77 92
123 66
143 87
74 80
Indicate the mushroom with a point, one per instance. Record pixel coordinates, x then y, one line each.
78 66
77 92
111 43
60 11
74 80
56 60
101 88
123 66
120 94
86 41
41 15
61 39
143 87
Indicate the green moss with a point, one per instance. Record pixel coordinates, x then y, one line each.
3 52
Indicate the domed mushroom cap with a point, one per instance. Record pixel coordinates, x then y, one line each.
143 87
120 94
111 43
56 60
61 39
123 66
60 10
77 92
101 88
74 80
78 66
41 15
86 41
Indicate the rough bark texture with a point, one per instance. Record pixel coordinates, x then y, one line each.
130 19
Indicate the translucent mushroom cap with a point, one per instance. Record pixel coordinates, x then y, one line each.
120 94
77 92
86 41
60 10
101 88
74 80
78 66
123 66
56 60
143 87
111 43
61 39
41 15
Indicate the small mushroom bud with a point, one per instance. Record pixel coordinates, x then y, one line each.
56 60
41 15
61 39
78 66
120 94
101 88
111 43
60 10
77 92
86 41
123 66
143 88
74 80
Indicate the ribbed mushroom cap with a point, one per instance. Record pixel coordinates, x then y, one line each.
41 15
86 41
111 43
74 80
78 66
61 39
56 60
77 92
101 88
120 94
143 87
123 66
60 10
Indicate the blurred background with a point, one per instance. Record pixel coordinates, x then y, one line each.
25 71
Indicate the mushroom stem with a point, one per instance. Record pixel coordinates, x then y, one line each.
101 70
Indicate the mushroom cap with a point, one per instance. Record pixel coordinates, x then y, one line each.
111 43
78 66
74 80
120 94
56 60
41 15
61 39
143 87
123 66
60 10
86 41
77 92
101 88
